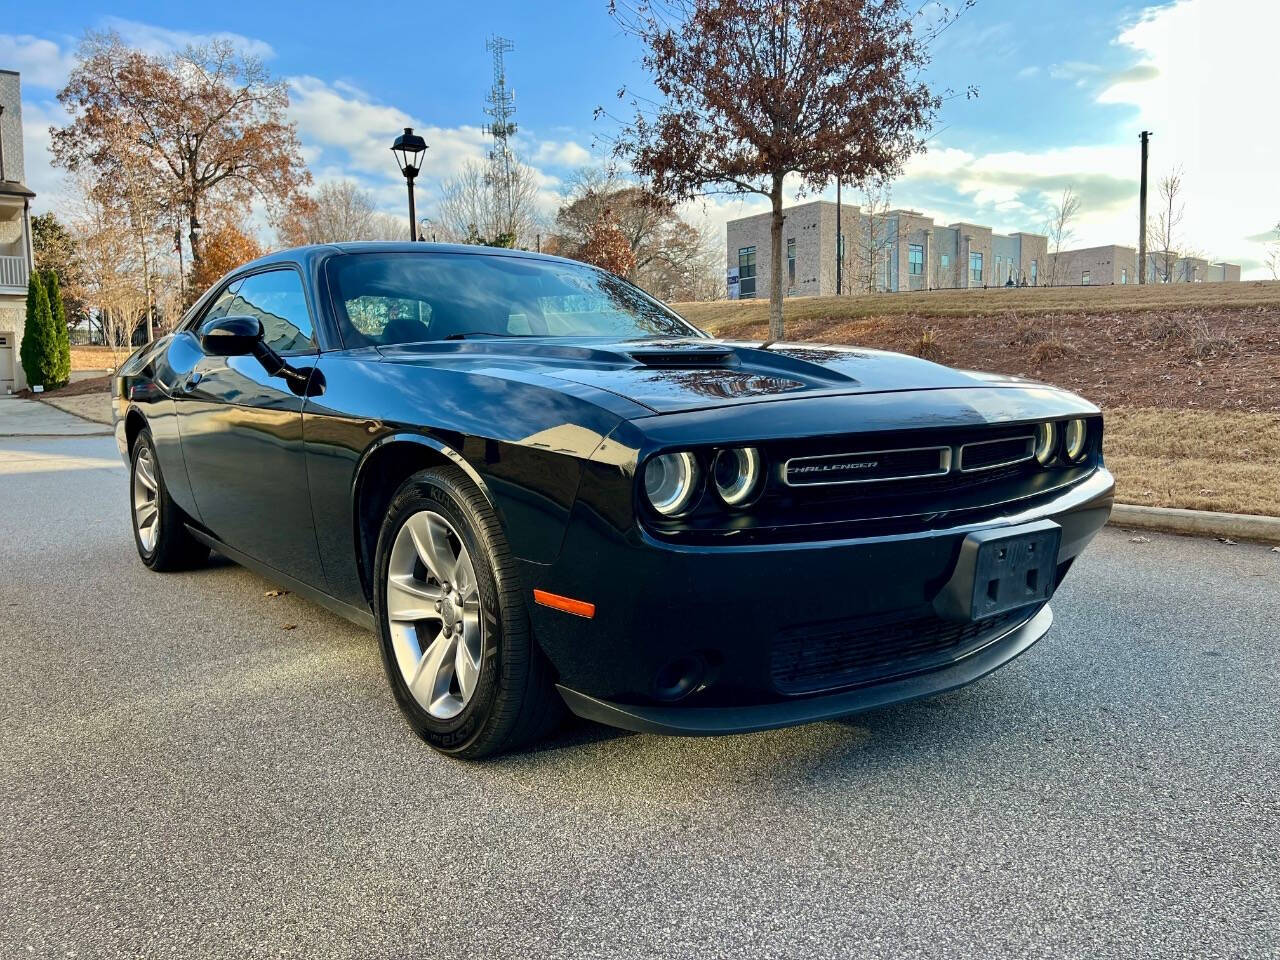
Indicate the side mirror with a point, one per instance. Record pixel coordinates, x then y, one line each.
231 336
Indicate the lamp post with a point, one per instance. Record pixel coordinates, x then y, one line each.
409 149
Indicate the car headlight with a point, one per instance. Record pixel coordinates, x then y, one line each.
1046 442
1076 440
737 474
670 482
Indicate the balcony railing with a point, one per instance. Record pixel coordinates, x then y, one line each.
13 272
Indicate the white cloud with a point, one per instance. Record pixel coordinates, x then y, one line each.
48 183
41 62
155 39
1203 62
565 153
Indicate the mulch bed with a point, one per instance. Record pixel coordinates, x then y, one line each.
77 389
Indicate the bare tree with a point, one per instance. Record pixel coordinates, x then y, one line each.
472 207
1061 231
1163 229
1273 255
110 281
756 91
336 213
874 237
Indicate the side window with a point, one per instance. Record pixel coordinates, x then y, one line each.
218 309
276 298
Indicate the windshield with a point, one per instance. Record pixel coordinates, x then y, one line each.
388 298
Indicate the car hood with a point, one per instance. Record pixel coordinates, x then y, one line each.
677 375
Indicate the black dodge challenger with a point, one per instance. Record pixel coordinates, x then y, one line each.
541 487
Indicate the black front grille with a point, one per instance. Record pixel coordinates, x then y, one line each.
989 454
851 652
868 467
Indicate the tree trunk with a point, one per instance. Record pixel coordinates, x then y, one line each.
146 283
775 264
195 241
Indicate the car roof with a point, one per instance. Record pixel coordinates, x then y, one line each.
318 251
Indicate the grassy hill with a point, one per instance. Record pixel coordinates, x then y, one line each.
1188 374
1027 301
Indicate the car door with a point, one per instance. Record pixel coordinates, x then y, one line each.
241 431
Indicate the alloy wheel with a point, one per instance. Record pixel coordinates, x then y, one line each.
433 609
146 499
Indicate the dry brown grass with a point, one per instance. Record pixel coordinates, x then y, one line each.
95 358
1197 459
723 317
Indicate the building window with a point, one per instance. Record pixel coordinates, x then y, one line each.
791 263
946 260
746 272
1035 271
1085 278
975 268
1124 275
915 259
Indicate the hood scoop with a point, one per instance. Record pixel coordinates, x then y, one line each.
685 358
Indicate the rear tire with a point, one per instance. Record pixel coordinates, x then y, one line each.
452 622
159 525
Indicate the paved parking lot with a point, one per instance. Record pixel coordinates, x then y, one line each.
182 776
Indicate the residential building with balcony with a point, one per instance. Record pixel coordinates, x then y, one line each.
15 234
882 251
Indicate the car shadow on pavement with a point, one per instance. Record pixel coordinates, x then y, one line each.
921 733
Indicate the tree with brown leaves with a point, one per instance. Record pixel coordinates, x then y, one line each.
674 259
607 247
226 247
207 124
756 91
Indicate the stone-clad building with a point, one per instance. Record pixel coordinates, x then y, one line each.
897 250
15 234
1093 266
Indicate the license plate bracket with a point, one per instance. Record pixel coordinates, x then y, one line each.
1001 569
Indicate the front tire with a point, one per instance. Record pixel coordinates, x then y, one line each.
159 525
452 621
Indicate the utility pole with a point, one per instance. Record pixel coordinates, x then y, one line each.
1145 136
839 245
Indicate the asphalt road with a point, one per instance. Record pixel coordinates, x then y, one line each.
182 776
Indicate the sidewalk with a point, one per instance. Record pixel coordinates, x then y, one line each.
29 418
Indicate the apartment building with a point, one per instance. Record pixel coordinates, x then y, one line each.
896 250
15 234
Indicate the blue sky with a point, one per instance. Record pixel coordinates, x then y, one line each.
1064 89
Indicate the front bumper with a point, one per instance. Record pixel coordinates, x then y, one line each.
659 603
708 721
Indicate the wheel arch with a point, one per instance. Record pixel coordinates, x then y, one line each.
385 465
135 422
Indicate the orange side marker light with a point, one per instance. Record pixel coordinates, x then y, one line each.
579 608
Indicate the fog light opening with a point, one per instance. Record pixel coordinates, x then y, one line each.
679 678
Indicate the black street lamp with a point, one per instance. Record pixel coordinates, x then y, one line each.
409 149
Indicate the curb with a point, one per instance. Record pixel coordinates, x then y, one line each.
1236 526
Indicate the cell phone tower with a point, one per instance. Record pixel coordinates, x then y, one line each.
501 108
